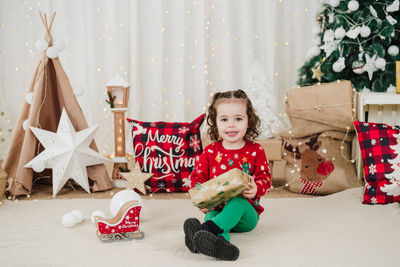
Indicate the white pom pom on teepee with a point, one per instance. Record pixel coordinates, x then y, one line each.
28 98
52 52
41 44
59 45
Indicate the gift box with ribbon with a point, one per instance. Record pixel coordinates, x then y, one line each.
326 106
219 189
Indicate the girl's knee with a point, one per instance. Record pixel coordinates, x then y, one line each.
237 201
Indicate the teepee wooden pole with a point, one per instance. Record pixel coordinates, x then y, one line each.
51 20
41 17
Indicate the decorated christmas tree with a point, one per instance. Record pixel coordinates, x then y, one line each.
356 41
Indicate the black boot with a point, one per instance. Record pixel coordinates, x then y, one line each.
209 243
190 227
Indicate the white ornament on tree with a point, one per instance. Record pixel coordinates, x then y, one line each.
373 11
365 31
339 65
330 44
391 89
315 51
393 50
393 7
370 65
391 20
67 152
380 63
340 33
334 3
353 5
259 89
353 32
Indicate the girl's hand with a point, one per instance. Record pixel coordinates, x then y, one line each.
204 210
251 192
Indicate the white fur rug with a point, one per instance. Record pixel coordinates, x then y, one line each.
335 230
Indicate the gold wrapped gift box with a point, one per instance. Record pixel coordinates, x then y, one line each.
219 189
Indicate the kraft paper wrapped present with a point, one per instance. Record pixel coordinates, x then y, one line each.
318 108
219 189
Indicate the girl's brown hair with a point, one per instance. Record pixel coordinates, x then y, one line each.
253 130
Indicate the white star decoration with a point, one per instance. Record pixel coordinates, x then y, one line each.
370 65
67 152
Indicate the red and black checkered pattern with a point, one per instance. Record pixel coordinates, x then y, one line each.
169 150
376 142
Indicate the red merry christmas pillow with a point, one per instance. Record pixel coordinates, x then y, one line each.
380 151
169 150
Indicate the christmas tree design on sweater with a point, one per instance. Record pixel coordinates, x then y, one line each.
393 188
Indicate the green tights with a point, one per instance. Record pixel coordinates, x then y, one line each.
238 215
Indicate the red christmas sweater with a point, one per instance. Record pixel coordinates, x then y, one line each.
215 160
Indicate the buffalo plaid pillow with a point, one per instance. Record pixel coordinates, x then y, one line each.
380 151
169 150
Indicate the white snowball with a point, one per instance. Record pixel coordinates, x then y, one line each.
52 52
59 45
77 90
393 50
121 198
365 31
317 41
78 215
41 45
97 213
334 3
38 165
353 5
25 125
68 220
29 98
380 63
340 33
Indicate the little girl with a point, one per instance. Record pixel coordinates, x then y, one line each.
233 125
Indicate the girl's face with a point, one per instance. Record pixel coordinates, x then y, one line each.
232 122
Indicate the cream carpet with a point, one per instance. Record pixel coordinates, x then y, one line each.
335 230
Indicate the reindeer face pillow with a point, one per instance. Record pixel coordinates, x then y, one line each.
315 165
380 151
168 150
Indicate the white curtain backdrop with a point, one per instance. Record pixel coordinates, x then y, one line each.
174 53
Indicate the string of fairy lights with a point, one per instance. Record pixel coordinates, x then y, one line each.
19 73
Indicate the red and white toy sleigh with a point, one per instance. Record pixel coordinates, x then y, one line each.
124 226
